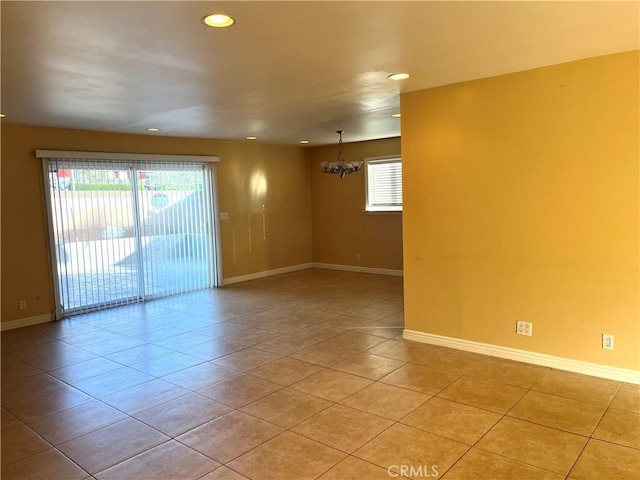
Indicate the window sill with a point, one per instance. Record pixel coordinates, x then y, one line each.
382 212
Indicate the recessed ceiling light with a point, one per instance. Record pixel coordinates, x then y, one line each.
396 115
218 20
153 129
398 76
252 138
304 142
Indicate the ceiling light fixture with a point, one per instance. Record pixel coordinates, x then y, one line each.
340 167
252 138
218 20
398 76
396 115
153 129
2 115
304 142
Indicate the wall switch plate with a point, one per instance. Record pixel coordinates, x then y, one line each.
23 304
224 216
524 328
357 257
607 341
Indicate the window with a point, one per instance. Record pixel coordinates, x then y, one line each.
383 184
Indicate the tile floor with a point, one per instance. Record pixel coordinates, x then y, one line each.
299 376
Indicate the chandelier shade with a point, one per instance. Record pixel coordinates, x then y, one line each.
340 167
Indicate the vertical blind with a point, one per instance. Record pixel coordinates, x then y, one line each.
125 231
384 184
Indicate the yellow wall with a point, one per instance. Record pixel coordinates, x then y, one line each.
341 229
243 169
521 201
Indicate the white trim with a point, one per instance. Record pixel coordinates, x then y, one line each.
266 273
25 322
353 268
577 366
152 157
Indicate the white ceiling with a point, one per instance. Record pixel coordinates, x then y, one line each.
286 71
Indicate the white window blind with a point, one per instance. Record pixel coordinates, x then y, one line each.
124 231
384 184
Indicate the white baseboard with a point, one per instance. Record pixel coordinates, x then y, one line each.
352 268
577 366
266 273
25 322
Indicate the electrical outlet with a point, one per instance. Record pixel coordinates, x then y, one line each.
524 328
23 304
607 341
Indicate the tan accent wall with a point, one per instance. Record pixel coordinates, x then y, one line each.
522 203
341 229
259 186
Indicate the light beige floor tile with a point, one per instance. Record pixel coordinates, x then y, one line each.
601 460
224 473
627 398
535 445
452 420
182 414
517 374
323 355
477 464
251 337
421 379
406 446
144 396
383 329
288 456
20 442
47 465
29 386
369 366
331 385
354 340
343 427
286 371
229 436
8 420
347 322
448 358
108 446
578 387
485 394
247 359
114 381
402 350
619 426
171 460
216 348
286 345
84 370
42 405
139 354
167 364
558 412
386 400
352 468
369 313
286 408
17 370
319 333
77 421
200 376
240 390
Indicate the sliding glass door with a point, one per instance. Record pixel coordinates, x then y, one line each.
124 232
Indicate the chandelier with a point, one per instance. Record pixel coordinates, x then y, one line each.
340 167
